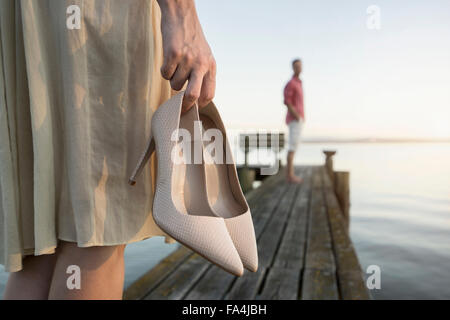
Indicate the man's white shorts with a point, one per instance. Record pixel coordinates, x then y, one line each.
295 131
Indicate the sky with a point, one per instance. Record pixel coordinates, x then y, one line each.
358 81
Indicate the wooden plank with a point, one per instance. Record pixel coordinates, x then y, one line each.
265 210
156 275
350 276
212 286
253 195
284 277
178 283
268 232
344 250
352 285
319 285
319 277
264 195
319 253
281 284
246 287
292 248
272 233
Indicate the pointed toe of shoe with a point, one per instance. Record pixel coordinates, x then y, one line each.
219 249
242 233
237 269
208 236
252 265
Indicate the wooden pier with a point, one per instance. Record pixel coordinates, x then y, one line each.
304 250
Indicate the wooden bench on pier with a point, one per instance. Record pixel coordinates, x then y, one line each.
248 173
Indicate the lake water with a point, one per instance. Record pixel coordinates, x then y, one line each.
400 216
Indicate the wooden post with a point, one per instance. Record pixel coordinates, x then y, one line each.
329 163
341 185
342 191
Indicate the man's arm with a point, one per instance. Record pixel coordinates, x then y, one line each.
293 111
288 98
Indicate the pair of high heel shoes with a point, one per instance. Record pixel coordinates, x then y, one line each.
199 202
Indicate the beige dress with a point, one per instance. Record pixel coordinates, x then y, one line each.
75 111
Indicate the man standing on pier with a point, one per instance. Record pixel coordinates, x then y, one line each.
295 117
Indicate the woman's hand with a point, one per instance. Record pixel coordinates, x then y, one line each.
187 55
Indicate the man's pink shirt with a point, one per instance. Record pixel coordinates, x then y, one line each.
293 94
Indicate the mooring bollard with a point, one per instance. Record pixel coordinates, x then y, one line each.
329 163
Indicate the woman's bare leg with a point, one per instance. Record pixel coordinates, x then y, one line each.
101 272
33 281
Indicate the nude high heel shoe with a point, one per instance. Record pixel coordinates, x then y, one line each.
224 190
180 205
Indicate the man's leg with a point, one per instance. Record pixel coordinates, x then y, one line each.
293 143
291 177
290 163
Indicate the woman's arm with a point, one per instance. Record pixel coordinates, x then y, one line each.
187 55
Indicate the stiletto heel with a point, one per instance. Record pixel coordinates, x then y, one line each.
143 160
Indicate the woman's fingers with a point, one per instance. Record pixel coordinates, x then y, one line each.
171 60
208 87
193 89
180 76
193 71
201 84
